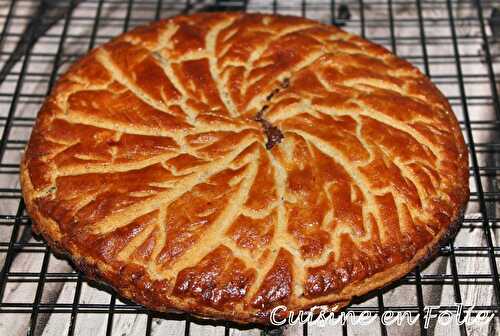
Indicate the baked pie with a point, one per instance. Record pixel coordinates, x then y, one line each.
224 164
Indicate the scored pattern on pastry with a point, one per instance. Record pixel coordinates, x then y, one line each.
151 151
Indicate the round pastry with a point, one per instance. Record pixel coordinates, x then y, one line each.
225 164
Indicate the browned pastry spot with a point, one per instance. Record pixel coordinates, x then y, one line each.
226 163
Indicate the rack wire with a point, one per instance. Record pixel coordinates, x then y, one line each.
454 42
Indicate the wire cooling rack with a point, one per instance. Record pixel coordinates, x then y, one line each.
456 43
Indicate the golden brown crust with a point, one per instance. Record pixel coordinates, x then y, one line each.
226 163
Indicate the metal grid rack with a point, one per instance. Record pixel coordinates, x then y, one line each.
456 43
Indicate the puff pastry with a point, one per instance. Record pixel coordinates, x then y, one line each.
227 163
